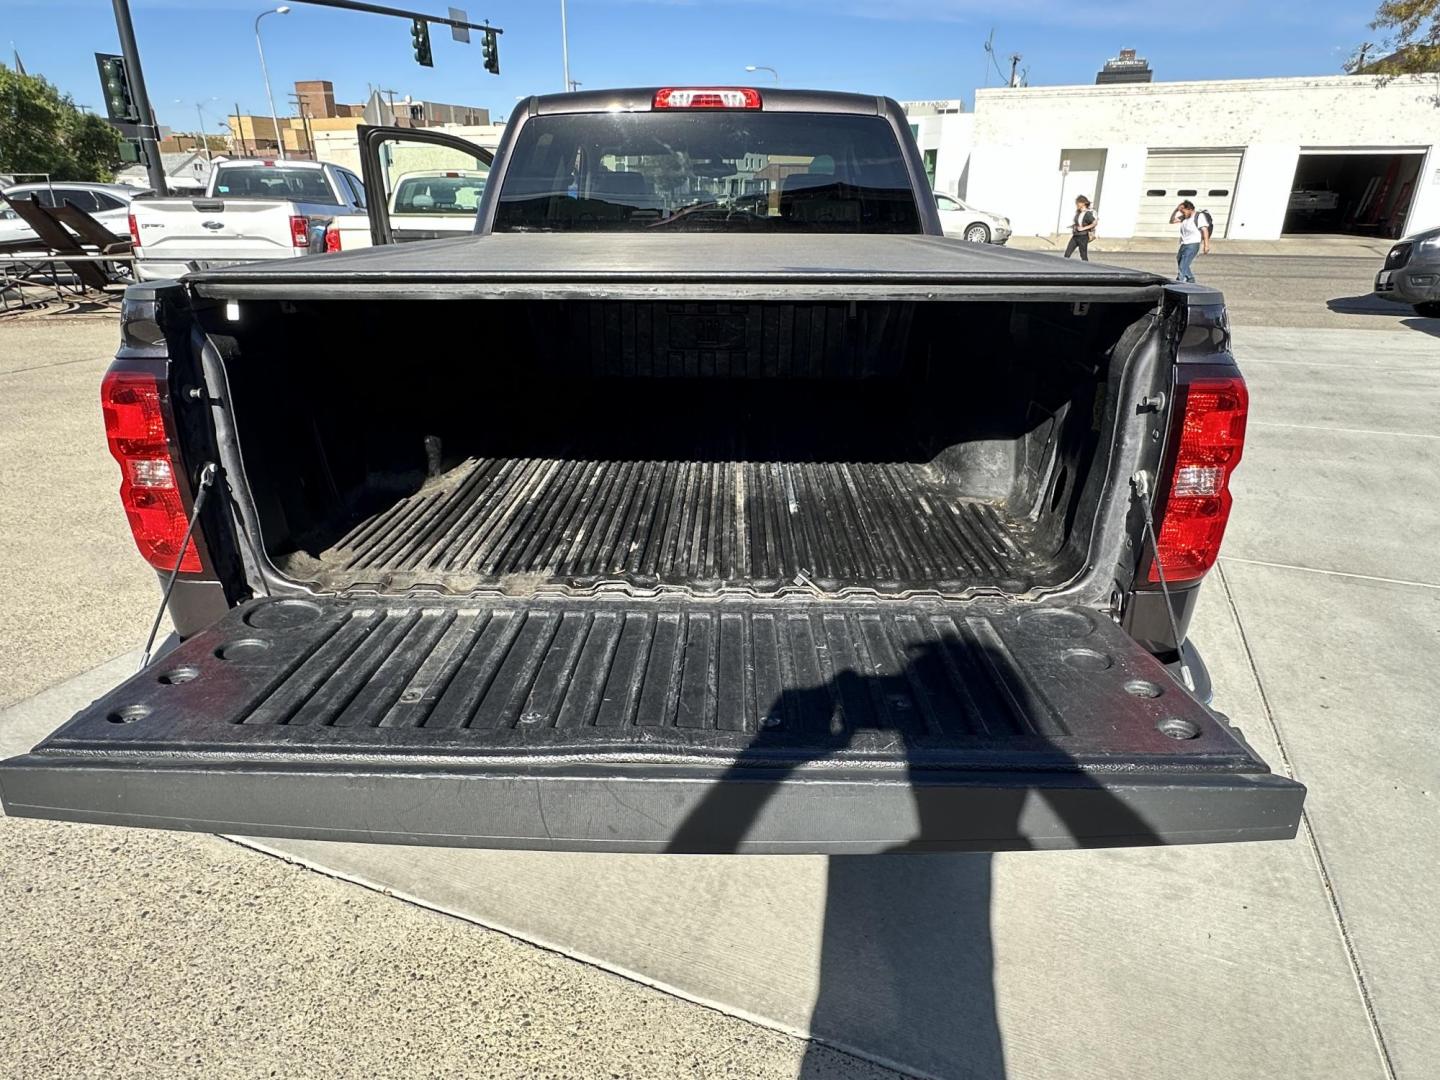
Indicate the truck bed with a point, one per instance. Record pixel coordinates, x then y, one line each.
891 526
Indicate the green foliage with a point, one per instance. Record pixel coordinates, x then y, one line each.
1413 44
42 131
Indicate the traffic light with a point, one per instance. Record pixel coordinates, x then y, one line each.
490 46
119 103
420 37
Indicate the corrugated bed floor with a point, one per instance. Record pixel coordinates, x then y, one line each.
706 525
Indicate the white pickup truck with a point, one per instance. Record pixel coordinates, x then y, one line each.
254 209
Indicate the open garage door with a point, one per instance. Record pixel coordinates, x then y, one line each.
1205 177
1364 191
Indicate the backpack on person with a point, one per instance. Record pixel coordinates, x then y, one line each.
1205 220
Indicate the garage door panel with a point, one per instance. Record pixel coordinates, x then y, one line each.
1205 177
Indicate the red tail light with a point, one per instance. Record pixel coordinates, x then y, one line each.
332 239
300 231
134 230
707 97
135 428
1212 436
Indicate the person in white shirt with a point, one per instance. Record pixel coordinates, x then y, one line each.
1194 239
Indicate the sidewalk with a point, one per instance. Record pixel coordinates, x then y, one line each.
1331 246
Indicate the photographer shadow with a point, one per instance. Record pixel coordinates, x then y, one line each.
907 965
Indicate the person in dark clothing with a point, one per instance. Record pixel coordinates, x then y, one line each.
1082 229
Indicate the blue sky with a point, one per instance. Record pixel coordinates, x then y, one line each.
195 50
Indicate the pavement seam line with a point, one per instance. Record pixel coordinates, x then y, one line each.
258 846
57 363
1388 369
1331 573
1343 430
1352 955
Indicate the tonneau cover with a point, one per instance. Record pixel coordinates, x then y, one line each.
768 266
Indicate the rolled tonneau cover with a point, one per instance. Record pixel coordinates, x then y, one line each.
783 266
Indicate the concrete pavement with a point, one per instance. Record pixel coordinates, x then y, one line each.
75 589
1312 958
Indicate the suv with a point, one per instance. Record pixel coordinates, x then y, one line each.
1411 274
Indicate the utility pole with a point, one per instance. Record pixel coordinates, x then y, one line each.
565 47
304 110
145 128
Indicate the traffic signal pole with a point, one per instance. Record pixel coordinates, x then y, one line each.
154 167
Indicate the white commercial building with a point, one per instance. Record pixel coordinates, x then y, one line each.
1267 157
944 132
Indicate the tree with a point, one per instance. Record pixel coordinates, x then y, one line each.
1413 44
41 131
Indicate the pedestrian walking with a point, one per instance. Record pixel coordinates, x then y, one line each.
1082 229
1195 229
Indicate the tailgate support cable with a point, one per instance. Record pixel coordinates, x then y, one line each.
203 485
1141 482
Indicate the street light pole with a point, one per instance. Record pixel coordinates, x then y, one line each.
145 129
752 68
265 73
565 47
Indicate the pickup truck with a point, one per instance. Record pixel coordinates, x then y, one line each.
707 499
252 210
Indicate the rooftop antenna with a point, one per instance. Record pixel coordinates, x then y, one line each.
1015 59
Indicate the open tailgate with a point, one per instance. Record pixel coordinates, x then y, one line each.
652 725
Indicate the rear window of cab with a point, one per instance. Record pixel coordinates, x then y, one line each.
737 170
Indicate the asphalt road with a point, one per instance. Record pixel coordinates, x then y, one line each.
149 954
1291 290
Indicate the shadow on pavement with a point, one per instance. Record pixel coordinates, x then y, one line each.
907 961
1367 304
1371 304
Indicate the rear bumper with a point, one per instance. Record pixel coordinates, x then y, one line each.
159 269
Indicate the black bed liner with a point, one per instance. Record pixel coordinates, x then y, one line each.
698 525
610 724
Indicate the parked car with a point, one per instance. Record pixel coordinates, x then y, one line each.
253 210
977 226
657 516
1411 274
108 204
423 205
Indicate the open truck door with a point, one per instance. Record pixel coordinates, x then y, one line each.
420 184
